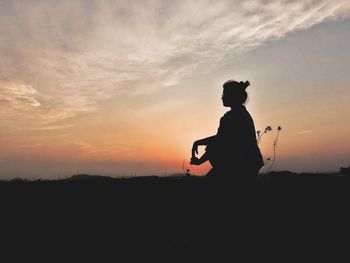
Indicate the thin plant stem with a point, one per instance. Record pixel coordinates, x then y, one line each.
183 166
275 142
260 136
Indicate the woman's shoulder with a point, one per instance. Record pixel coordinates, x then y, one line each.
236 112
237 117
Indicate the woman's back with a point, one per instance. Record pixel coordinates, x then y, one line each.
236 144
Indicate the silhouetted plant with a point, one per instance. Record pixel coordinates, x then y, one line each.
275 146
186 171
261 134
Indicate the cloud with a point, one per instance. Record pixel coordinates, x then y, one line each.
67 57
18 95
304 132
49 128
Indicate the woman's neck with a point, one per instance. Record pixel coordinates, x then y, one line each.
238 106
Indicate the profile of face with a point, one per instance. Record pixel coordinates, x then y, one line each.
225 100
233 97
230 99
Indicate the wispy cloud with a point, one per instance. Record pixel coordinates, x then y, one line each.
304 132
49 128
18 95
66 57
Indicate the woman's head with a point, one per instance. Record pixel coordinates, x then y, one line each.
234 93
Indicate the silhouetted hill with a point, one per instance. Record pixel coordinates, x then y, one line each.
177 176
84 177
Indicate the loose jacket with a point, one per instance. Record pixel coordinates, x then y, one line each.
235 145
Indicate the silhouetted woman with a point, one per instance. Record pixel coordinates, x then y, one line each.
233 151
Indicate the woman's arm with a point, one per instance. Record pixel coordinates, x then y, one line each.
204 141
196 161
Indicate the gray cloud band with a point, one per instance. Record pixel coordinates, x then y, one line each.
70 56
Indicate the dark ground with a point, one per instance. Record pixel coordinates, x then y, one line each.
278 217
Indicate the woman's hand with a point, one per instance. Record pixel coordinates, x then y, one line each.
204 141
195 161
195 149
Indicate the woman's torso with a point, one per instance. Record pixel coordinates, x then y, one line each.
236 145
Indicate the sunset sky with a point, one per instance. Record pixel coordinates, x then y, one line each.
123 87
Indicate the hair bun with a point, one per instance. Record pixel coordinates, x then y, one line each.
245 84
